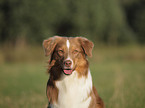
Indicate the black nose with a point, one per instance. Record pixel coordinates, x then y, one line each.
67 63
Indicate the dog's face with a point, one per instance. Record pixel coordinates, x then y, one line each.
69 53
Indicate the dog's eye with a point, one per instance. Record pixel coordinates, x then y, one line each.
75 51
60 52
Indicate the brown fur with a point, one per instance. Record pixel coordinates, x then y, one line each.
86 45
96 100
52 91
50 44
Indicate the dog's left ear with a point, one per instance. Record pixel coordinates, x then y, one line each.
49 45
86 45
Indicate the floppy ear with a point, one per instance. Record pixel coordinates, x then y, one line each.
50 44
87 46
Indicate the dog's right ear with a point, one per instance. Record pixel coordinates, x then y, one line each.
49 45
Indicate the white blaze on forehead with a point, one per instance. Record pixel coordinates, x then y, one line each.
68 56
67 44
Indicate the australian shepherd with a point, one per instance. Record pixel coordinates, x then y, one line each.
70 82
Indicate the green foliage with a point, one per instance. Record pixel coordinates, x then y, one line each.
99 20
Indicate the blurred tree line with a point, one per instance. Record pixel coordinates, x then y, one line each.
103 21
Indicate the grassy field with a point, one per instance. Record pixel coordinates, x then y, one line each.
118 74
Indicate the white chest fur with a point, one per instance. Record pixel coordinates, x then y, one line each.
74 92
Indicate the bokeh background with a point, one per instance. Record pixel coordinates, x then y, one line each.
117 28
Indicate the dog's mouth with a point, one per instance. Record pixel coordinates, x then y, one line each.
67 71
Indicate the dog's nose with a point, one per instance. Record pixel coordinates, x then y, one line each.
67 63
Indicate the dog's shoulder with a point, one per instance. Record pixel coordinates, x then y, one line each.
51 91
97 102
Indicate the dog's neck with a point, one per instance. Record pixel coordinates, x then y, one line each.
73 90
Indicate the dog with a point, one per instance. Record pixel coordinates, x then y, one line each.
70 82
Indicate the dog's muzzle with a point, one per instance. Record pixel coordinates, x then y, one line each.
68 67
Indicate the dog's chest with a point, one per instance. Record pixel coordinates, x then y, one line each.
74 92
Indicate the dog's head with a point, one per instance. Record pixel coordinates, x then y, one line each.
68 53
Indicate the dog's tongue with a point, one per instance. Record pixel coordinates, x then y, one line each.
67 72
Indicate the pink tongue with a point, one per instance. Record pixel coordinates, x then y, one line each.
68 72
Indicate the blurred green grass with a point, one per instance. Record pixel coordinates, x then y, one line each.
22 85
118 74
